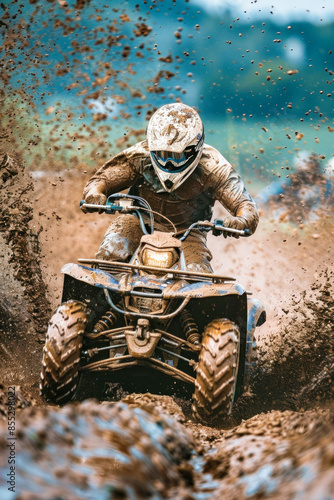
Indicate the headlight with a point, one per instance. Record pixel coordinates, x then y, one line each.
164 259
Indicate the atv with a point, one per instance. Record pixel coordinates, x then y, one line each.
153 313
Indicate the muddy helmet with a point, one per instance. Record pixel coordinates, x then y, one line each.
175 136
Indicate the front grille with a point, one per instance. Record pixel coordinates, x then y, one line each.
144 304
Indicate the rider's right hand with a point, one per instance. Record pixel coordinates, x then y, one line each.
94 198
234 223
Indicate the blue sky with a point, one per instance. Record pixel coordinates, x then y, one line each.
283 10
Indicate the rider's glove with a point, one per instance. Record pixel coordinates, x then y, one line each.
95 198
234 223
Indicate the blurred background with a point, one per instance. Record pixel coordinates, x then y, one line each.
81 78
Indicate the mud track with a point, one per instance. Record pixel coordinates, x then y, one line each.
278 442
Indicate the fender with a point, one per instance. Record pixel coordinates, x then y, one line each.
201 290
256 316
94 277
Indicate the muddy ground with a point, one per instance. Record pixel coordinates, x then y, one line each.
279 440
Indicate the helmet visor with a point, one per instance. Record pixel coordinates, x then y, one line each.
174 162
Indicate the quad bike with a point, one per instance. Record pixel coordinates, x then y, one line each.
152 312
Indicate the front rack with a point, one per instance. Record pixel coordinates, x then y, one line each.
112 266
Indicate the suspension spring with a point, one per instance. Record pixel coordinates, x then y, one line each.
189 327
107 321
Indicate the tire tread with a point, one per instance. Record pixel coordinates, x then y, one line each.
216 371
61 353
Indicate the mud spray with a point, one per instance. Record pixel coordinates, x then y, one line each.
279 440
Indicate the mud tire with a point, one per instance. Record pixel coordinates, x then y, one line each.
62 350
216 371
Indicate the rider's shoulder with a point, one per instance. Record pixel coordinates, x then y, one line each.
213 161
140 149
137 155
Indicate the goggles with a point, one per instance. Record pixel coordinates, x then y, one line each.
174 162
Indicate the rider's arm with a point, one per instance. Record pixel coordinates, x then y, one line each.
230 191
116 174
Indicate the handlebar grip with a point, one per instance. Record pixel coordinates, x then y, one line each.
108 209
218 228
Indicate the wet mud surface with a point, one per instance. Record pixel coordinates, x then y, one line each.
101 451
278 442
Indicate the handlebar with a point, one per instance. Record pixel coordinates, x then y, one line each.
111 207
240 232
216 226
108 209
127 206
219 225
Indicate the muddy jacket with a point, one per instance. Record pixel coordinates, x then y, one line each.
213 179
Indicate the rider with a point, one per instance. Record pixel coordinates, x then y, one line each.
181 177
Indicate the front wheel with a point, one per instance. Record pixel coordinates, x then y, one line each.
62 351
217 371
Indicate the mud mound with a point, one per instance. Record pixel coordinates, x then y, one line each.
99 451
165 403
297 361
137 450
276 455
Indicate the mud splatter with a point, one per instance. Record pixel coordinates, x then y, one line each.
20 245
297 362
24 307
305 195
142 30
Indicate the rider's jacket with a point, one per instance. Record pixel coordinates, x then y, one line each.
213 179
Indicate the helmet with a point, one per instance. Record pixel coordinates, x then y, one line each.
175 136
